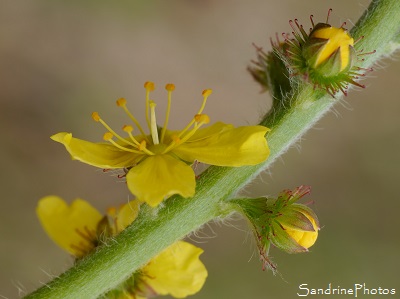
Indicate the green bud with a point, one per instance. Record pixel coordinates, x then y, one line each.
282 222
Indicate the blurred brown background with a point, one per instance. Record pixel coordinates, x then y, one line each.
61 60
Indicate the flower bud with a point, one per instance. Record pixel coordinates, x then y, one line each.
282 222
325 57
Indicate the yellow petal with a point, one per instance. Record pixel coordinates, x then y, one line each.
177 271
337 38
160 176
101 155
217 128
305 239
201 133
127 214
234 147
71 227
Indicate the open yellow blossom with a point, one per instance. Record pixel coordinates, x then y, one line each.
177 271
79 228
158 164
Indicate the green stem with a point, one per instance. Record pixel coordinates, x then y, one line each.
150 233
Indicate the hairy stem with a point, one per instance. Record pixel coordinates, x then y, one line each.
151 233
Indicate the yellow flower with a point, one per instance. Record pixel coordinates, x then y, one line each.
77 228
176 271
158 164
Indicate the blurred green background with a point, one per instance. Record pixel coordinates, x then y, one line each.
61 60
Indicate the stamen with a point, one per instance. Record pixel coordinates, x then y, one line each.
149 87
153 123
122 103
169 88
129 129
142 145
111 211
86 243
206 93
176 139
96 117
202 118
199 119
108 137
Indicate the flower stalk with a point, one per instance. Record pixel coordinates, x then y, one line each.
136 245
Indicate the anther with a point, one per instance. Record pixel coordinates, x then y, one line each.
176 139
108 136
111 211
207 92
202 118
121 102
127 128
142 145
170 87
96 116
149 86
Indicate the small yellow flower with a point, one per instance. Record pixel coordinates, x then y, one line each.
158 164
79 228
66 226
176 271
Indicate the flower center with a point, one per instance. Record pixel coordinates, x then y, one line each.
87 243
155 142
